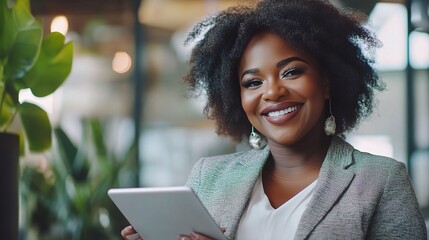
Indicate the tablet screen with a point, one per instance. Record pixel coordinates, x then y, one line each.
164 212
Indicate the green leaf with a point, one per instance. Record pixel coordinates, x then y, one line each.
8 109
36 126
8 29
12 20
75 161
22 13
24 52
98 137
6 112
21 143
66 147
13 94
27 42
52 66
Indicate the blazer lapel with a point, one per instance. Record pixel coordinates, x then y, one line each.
240 189
334 178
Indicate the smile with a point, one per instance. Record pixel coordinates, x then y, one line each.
282 112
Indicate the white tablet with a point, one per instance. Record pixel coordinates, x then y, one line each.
164 212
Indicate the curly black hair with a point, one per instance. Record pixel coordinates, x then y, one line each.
335 37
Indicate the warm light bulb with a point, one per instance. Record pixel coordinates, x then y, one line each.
60 24
121 62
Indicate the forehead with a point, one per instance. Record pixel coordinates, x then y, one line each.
269 46
267 40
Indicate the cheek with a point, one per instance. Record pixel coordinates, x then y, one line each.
249 103
312 89
316 96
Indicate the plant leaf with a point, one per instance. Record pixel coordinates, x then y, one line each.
52 66
36 126
23 52
6 112
66 147
22 13
13 95
12 20
97 135
21 143
8 30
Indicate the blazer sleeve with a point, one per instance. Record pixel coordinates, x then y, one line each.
398 215
195 176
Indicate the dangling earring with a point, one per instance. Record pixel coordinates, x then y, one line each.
255 140
330 124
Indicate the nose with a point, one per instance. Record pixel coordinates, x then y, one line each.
275 90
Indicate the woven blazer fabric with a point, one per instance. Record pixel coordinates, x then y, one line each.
358 195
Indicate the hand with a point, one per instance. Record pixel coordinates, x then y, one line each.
197 236
193 236
130 233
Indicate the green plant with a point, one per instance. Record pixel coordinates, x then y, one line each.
29 61
71 194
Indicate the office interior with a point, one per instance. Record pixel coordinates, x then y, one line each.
125 107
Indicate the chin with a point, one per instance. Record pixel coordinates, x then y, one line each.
285 140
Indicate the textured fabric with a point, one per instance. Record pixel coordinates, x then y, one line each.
357 196
260 221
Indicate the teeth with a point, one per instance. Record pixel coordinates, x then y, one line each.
282 112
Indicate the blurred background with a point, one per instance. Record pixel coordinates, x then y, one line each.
122 118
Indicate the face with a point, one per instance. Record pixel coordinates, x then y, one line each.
283 91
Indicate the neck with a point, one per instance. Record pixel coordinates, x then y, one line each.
302 159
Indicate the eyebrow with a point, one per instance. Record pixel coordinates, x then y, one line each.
249 71
288 60
279 64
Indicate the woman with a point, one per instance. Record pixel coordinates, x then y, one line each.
298 73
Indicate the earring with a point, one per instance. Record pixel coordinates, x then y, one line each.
330 124
255 140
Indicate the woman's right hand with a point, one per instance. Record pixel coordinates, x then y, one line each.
130 233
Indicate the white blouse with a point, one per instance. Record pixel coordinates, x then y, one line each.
260 221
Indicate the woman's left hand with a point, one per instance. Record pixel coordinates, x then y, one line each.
193 236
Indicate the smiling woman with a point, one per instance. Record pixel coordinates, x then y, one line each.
294 73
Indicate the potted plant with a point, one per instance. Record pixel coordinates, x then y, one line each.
67 199
28 60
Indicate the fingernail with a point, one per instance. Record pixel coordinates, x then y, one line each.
134 236
194 235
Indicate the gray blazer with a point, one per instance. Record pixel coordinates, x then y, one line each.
357 196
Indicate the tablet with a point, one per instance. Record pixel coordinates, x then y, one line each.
164 212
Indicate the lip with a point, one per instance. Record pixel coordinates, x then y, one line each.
280 106
282 119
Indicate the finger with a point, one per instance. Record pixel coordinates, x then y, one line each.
127 231
197 236
223 229
134 236
183 237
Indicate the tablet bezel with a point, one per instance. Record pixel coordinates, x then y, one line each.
164 212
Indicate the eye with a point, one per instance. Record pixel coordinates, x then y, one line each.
292 72
251 83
